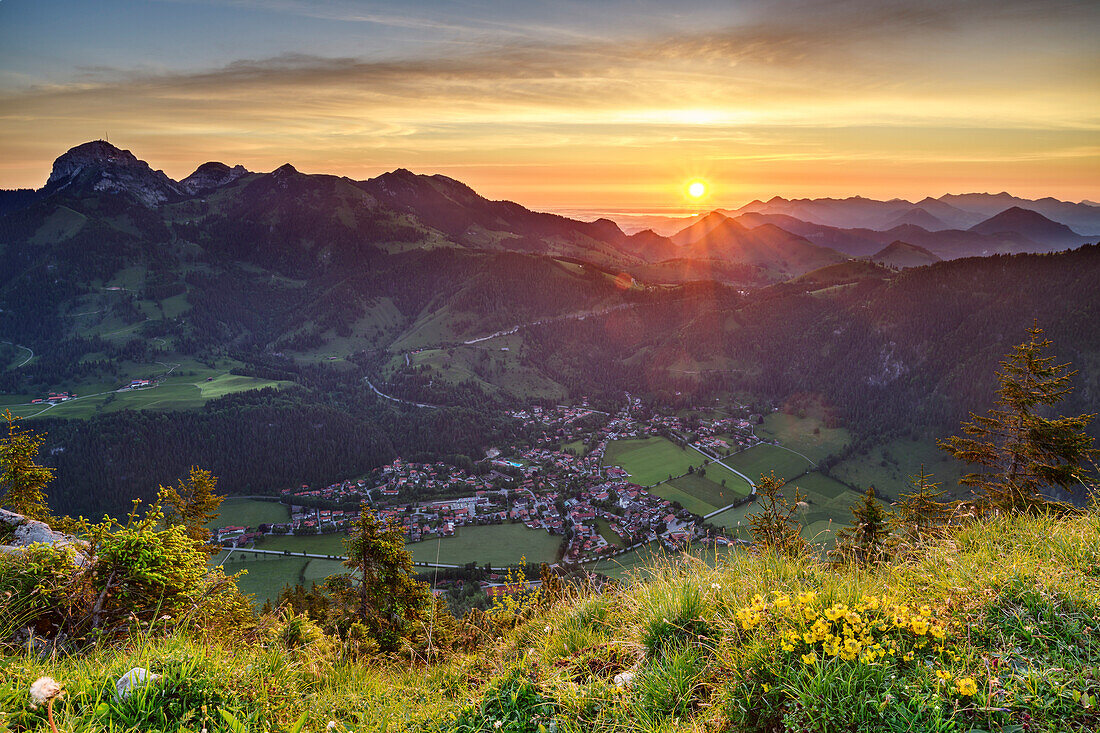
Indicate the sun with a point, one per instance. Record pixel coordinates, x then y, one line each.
697 189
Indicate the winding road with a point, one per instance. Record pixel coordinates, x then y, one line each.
30 353
397 399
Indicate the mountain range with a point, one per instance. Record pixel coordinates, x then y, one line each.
419 287
765 241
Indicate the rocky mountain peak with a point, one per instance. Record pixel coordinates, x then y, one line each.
101 167
212 175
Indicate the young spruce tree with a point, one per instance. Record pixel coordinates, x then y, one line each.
922 512
192 504
775 526
1020 453
867 540
386 597
22 481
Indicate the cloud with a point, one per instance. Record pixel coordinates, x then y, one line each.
785 81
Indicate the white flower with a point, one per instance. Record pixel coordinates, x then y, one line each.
331 725
45 689
716 586
498 723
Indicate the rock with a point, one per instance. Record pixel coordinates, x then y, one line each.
129 682
100 166
624 679
31 531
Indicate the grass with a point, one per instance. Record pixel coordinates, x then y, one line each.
605 530
763 459
706 489
184 388
826 499
888 467
495 544
684 646
239 511
807 434
650 460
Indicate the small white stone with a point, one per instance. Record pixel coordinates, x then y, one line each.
130 681
624 679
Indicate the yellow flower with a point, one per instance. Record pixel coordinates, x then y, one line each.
782 601
966 686
809 658
835 612
944 675
869 603
926 611
937 631
787 646
809 637
852 646
919 626
807 598
767 687
831 647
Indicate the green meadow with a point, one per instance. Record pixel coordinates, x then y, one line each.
495 544
764 458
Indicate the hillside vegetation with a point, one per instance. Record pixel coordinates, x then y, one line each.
993 627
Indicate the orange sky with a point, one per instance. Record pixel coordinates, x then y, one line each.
610 106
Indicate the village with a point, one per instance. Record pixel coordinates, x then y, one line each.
556 481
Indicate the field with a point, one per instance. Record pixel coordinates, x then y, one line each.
187 384
763 459
238 511
635 564
579 447
650 460
807 435
267 574
612 537
495 544
826 499
888 467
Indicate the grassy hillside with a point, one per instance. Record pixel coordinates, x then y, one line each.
991 629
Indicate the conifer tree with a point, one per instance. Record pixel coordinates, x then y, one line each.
775 527
22 481
1020 453
867 540
192 504
921 512
388 600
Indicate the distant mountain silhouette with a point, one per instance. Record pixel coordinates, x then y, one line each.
919 216
902 254
1030 224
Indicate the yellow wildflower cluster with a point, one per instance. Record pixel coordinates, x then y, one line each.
866 632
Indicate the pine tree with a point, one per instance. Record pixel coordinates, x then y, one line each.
921 512
867 540
775 527
1022 454
388 600
22 481
193 504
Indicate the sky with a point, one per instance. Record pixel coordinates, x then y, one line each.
608 105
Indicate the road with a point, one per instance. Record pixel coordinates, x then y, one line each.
580 316
714 459
314 556
30 354
397 399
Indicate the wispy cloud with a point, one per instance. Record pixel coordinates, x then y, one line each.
788 82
